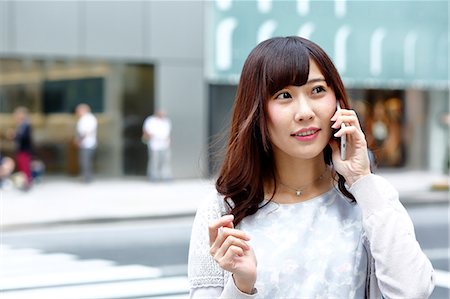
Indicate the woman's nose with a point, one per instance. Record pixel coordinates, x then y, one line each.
304 110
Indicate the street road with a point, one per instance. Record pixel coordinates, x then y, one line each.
432 227
155 243
109 260
160 248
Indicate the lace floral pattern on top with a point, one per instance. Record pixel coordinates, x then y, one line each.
312 249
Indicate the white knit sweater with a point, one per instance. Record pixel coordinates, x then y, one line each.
397 266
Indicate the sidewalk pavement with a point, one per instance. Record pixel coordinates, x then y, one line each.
57 201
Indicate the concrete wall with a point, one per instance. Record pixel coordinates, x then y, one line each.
168 34
415 129
427 136
188 113
176 44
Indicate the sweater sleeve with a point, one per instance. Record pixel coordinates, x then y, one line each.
401 268
203 271
206 278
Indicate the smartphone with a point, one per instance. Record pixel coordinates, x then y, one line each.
343 138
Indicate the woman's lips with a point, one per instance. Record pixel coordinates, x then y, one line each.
306 134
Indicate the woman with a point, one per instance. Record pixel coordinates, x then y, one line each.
24 144
291 218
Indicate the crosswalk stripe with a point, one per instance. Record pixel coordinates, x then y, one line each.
437 253
29 273
18 262
442 278
149 287
106 274
62 267
18 253
33 261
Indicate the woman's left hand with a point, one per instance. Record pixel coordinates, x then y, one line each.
356 164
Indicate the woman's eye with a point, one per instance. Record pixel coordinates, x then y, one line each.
283 95
318 89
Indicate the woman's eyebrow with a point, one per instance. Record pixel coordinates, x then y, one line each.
314 80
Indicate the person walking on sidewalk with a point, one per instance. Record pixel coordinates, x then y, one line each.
86 140
292 218
156 133
22 136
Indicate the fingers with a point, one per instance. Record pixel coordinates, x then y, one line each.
228 260
228 238
343 112
347 117
225 221
348 124
226 241
347 130
355 137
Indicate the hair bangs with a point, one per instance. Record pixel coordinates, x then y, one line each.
289 65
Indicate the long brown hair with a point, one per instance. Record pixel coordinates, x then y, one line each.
272 65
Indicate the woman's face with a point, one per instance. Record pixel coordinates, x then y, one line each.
299 117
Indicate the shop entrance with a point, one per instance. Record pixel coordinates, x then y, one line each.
137 104
382 116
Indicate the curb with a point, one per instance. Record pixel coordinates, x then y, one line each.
424 197
88 221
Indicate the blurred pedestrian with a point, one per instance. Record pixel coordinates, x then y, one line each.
22 136
156 133
291 218
6 168
86 140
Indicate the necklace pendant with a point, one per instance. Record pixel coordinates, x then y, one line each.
298 192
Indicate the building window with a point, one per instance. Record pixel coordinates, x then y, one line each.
63 96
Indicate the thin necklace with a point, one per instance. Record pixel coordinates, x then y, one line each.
299 191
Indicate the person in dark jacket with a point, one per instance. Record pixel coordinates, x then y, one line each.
24 145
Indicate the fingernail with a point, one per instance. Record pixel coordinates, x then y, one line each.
229 216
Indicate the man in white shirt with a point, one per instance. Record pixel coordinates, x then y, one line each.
86 139
156 133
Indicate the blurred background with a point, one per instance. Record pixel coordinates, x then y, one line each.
129 59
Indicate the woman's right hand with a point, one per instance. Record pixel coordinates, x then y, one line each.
230 249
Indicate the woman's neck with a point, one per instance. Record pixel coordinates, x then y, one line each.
298 180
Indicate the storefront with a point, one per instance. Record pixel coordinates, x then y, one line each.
124 58
119 94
